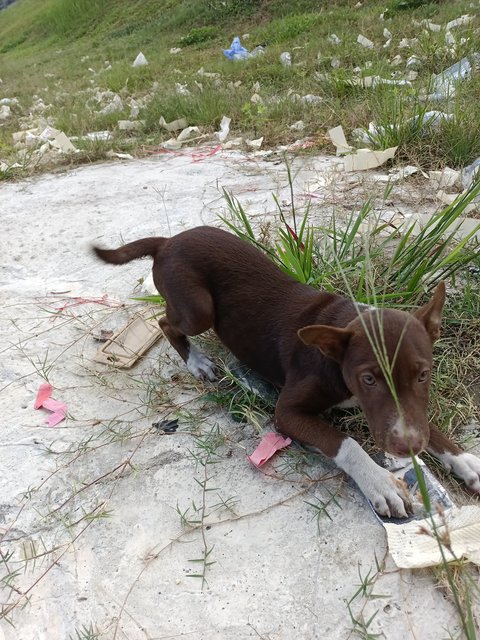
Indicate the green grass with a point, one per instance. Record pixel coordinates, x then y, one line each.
359 258
43 49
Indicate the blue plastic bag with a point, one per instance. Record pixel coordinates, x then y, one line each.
236 51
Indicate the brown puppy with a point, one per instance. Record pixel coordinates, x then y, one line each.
319 348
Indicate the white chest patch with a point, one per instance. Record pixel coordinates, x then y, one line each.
349 403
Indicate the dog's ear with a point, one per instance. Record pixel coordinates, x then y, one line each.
331 341
431 314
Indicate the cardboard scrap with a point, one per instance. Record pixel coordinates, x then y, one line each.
234 142
133 340
364 159
337 136
413 544
269 445
121 156
44 399
174 125
449 198
188 133
444 179
254 144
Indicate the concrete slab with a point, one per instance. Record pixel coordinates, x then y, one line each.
276 574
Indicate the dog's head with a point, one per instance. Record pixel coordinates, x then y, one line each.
386 361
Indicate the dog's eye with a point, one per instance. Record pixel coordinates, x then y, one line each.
369 380
423 377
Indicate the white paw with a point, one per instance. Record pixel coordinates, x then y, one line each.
378 485
387 495
465 466
199 365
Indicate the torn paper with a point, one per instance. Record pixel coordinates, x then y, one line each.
121 156
188 134
254 144
413 544
337 136
396 176
174 125
269 445
365 159
365 42
459 22
98 135
57 139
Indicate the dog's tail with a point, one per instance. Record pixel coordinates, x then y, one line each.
131 251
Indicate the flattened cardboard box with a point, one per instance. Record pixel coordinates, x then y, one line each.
134 339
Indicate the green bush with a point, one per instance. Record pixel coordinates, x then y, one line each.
198 34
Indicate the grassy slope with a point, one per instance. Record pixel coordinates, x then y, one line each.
42 43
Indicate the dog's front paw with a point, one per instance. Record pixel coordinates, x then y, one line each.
199 365
387 495
465 466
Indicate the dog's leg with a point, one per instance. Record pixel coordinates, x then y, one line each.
189 313
197 362
296 416
464 465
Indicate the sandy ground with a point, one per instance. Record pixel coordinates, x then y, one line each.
276 573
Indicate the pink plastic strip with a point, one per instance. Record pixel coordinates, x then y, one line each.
269 445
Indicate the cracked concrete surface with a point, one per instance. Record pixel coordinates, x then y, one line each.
276 575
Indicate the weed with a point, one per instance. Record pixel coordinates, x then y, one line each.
402 270
85 633
205 454
320 507
365 592
399 121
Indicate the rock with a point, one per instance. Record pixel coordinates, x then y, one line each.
5 112
298 126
